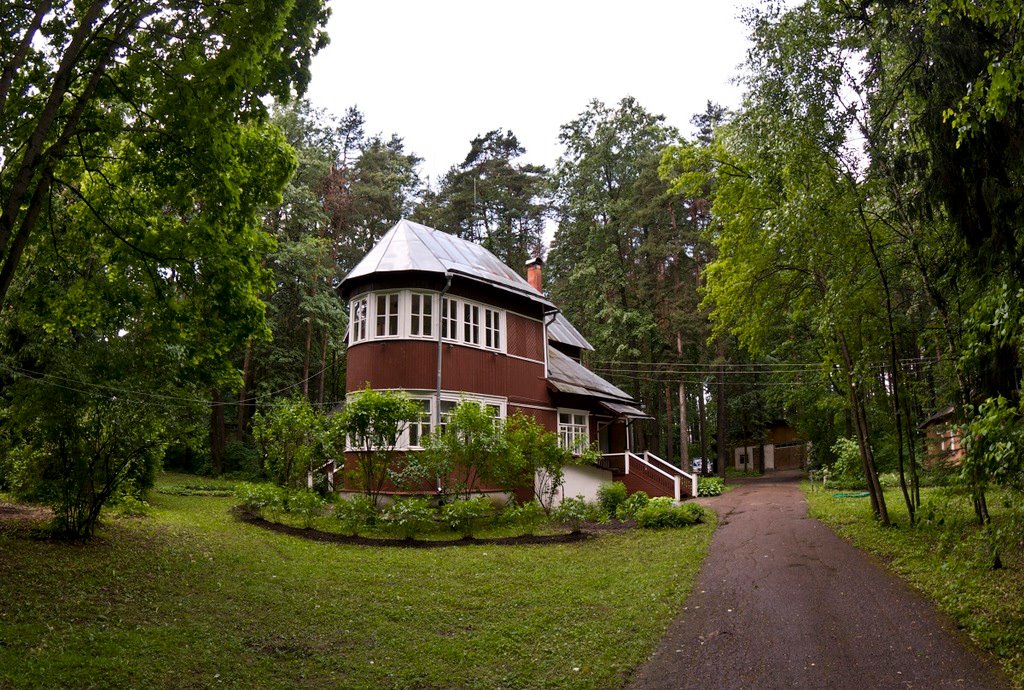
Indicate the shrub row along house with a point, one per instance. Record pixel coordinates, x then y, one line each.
444 320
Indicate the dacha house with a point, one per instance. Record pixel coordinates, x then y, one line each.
444 320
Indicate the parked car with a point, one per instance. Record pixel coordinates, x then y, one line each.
698 465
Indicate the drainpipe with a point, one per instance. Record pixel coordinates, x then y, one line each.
554 313
437 391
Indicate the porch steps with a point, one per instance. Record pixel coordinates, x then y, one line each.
651 474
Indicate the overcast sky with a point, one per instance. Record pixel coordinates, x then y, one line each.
440 72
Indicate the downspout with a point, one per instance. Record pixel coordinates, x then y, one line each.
547 323
437 391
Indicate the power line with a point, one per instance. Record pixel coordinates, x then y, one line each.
170 401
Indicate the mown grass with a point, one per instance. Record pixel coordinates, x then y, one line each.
949 558
188 597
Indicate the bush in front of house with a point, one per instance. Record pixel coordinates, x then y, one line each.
409 517
572 512
261 499
306 505
661 512
627 509
610 495
526 517
355 513
710 486
467 517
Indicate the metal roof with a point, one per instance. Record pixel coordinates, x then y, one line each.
625 410
562 331
413 247
568 376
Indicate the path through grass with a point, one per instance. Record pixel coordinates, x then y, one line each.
948 557
191 597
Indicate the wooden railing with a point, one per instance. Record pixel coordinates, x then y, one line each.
328 468
669 467
652 469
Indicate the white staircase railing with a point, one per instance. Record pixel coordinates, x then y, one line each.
655 468
675 470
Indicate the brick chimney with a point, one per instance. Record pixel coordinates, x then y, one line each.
533 274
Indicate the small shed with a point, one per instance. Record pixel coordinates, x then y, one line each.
942 442
782 449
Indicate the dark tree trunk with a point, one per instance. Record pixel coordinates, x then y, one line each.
895 373
684 431
669 445
323 370
860 423
702 421
217 433
243 395
305 360
720 438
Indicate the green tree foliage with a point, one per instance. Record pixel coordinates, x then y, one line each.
470 448
535 452
74 447
135 165
620 265
867 219
154 104
287 434
371 424
492 200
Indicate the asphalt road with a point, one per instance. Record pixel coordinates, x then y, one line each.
781 602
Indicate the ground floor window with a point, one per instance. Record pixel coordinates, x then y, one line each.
412 437
573 430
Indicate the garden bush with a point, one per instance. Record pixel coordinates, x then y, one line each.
241 461
610 495
572 512
353 514
410 517
130 504
305 504
710 486
662 512
699 513
628 508
526 517
262 499
466 518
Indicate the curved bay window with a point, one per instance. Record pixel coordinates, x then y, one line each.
413 314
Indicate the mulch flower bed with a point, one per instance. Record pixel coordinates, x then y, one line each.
318 535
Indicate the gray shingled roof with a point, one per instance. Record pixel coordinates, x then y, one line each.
413 247
562 331
568 376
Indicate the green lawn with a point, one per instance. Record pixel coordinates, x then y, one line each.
948 558
190 597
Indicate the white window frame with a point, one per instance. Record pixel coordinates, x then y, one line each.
422 426
448 400
570 433
389 317
426 322
471 323
493 328
450 322
358 322
462 321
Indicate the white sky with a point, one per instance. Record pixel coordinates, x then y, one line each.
440 72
